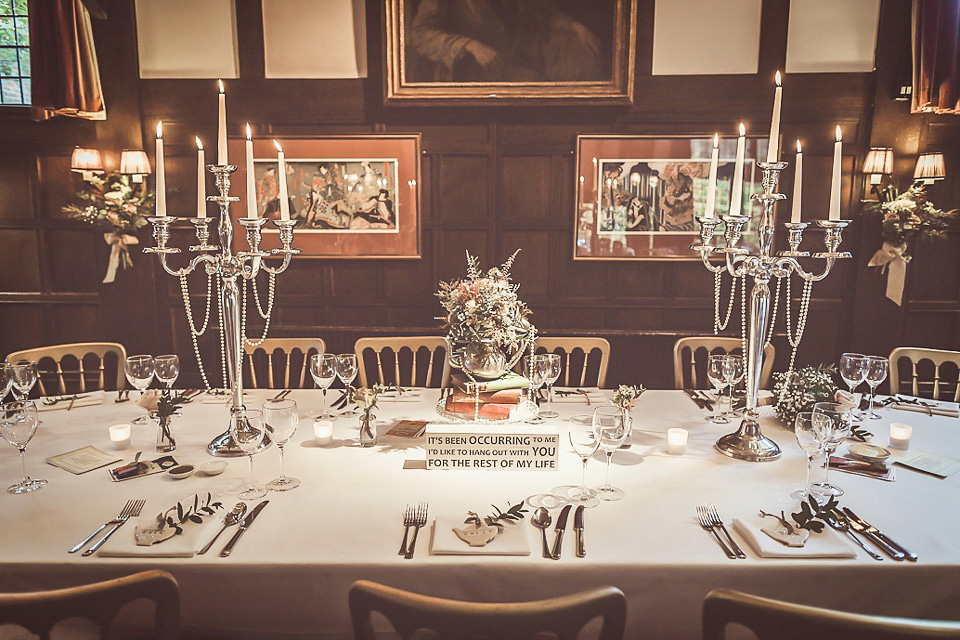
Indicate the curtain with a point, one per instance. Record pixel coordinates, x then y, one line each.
65 77
936 68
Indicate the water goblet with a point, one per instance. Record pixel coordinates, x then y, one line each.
585 443
610 430
347 372
715 376
550 363
853 370
23 375
18 423
733 372
832 425
248 431
810 442
531 365
139 371
281 419
166 368
6 382
323 368
877 368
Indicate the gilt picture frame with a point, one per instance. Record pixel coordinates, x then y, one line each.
637 197
479 52
356 196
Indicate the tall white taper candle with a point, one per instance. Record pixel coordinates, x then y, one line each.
736 192
773 144
835 182
797 184
282 177
161 181
712 180
222 127
201 182
251 183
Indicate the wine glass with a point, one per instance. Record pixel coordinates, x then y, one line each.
550 363
610 430
166 368
853 370
832 425
7 381
877 368
585 443
347 371
810 442
139 371
732 375
247 431
323 368
18 423
281 419
715 376
531 364
23 375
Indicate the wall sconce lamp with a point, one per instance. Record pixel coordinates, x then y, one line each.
878 163
930 168
86 162
135 163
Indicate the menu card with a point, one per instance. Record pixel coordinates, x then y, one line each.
931 463
83 460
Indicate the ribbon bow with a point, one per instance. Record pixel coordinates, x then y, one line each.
893 260
118 252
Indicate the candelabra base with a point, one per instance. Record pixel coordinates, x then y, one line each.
748 443
224 445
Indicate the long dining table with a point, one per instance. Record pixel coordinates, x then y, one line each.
290 574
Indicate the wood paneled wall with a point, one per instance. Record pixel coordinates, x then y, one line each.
493 179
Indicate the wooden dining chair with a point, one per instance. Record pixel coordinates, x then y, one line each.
409 612
921 384
416 361
76 367
583 361
777 620
281 363
690 360
40 611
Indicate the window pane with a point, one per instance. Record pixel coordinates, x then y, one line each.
7 35
20 7
27 95
6 6
24 61
10 92
23 32
8 62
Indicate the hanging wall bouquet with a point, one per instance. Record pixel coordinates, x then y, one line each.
117 207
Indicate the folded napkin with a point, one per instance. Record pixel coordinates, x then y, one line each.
123 544
511 542
945 412
209 398
826 544
91 399
595 395
408 395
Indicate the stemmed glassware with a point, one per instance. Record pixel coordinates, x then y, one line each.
832 425
139 370
7 380
18 423
248 434
281 419
550 363
535 374
167 369
877 368
347 372
853 370
23 375
323 368
610 430
733 372
585 443
809 440
715 365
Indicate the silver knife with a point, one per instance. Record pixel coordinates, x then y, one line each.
244 525
857 525
578 528
561 525
911 556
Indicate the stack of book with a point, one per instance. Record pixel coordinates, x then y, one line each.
498 398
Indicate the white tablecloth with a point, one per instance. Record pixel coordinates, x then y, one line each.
291 572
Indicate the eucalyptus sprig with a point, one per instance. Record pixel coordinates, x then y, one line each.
193 514
512 515
812 515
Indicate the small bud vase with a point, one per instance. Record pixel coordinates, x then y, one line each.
368 429
165 441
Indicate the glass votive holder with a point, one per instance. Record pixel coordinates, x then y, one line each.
120 436
900 435
322 432
676 441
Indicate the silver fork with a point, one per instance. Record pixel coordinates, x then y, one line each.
132 513
420 519
409 516
126 509
717 522
703 518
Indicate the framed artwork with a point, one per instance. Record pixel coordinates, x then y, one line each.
355 196
637 196
509 51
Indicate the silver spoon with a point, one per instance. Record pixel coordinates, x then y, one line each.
541 519
842 526
232 518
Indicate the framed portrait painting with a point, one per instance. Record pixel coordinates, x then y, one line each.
638 196
355 196
487 52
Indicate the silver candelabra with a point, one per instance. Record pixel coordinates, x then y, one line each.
748 443
220 261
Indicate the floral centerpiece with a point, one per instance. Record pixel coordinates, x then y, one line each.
799 390
486 322
117 207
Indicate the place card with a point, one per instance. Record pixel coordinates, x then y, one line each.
83 460
931 463
507 447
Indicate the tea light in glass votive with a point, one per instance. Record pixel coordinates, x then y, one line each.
322 432
900 435
120 436
677 441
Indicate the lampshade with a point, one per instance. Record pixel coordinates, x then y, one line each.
879 161
84 160
930 167
134 162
